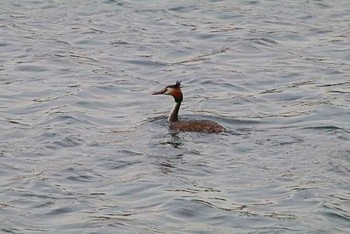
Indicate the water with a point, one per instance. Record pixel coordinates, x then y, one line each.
85 148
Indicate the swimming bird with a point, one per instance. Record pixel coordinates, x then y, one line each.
186 125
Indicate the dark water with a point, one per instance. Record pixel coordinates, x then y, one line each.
85 148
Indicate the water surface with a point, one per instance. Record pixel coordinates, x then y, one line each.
85 148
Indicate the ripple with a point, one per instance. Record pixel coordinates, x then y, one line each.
31 68
85 147
332 211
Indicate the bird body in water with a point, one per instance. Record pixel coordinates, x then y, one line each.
186 125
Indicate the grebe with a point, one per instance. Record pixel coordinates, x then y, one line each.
186 125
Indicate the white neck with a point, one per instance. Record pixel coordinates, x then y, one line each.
174 113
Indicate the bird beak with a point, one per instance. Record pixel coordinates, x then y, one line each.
159 92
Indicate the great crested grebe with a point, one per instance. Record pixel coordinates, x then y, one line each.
186 125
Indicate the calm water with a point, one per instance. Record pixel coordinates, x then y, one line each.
85 148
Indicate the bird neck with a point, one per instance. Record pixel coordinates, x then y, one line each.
175 112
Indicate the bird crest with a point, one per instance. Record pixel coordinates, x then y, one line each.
176 85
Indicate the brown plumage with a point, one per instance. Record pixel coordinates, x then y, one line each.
186 125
